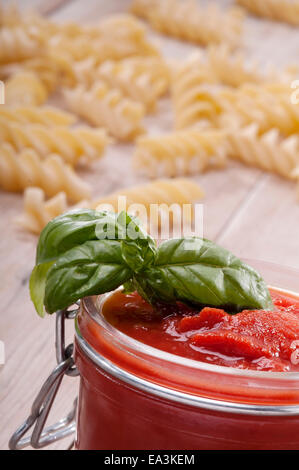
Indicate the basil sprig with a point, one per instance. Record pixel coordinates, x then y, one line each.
199 272
86 252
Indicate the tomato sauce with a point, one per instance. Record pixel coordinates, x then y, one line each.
257 339
115 414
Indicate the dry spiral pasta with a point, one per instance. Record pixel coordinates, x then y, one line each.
180 153
192 22
52 68
268 105
71 144
38 211
43 67
143 79
115 38
46 115
194 93
100 49
232 68
122 27
201 95
24 169
196 105
156 199
268 151
281 10
19 43
107 107
25 88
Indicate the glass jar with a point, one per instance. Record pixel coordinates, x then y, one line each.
133 396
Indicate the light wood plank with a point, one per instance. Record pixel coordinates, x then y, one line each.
266 225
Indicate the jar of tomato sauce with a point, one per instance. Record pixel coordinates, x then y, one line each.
134 396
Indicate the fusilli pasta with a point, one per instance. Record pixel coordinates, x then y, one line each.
269 106
268 151
114 38
71 144
25 88
38 212
44 68
46 115
143 79
107 107
196 105
180 153
193 92
281 10
19 171
192 22
19 43
232 68
155 198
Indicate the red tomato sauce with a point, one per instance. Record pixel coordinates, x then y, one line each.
252 339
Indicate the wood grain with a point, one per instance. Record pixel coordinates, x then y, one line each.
250 212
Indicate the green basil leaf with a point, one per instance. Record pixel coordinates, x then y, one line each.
92 268
197 271
76 227
37 285
69 230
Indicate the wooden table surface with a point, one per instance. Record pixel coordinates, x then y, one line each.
250 212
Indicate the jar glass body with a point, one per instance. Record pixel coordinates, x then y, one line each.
135 397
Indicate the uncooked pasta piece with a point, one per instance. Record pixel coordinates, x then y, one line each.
44 68
25 88
46 115
73 145
107 107
194 93
180 153
160 198
231 68
196 105
190 21
19 43
114 38
21 170
51 69
268 105
156 201
280 10
144 79
38 212
268 151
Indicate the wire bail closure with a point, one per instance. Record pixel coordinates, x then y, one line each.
41 436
